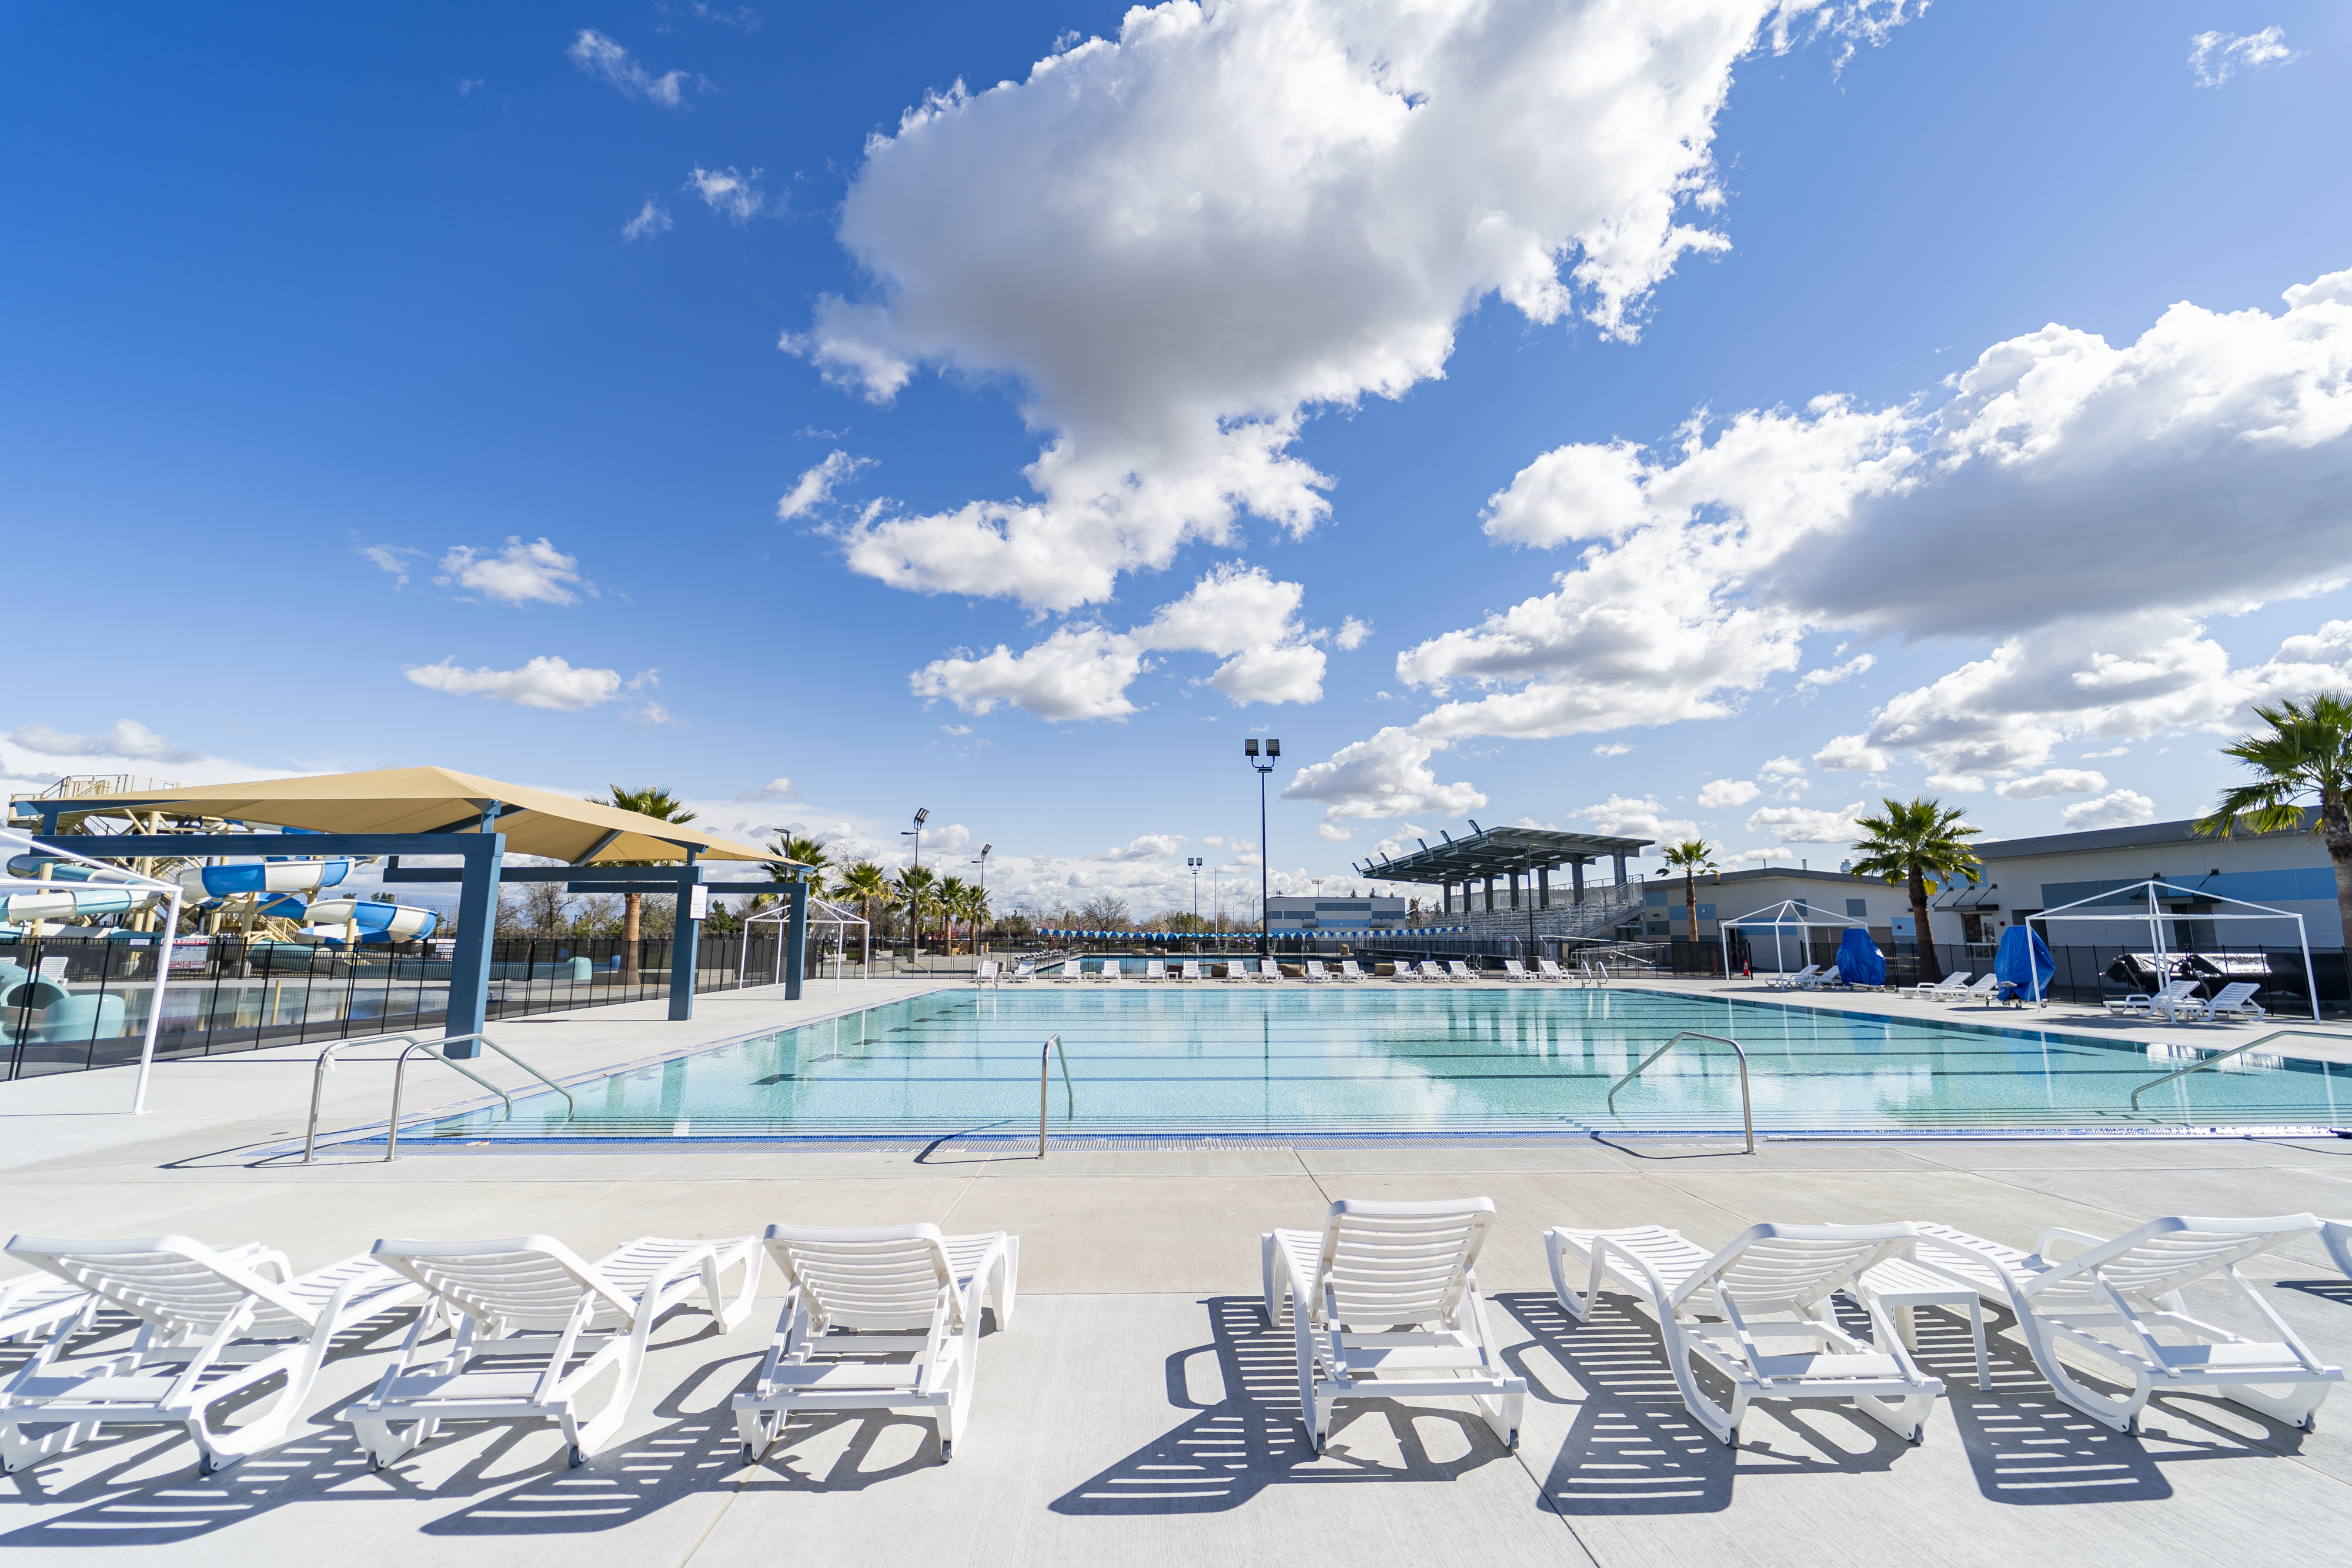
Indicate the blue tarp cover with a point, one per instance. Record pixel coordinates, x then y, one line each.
1859 960
2009 964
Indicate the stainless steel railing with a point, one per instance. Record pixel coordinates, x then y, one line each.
1069 1095
1746 1112
412 1044
2220 1057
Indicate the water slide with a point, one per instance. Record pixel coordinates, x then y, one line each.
332 918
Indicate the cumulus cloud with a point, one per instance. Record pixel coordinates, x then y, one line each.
775 790
1852 753
1624 816
2204 468
128 740
1238 612
2215 57
651 218
600 58
1782 768
1721 793
2121 808
546 681
1611 748
1836 673
732 194
815 486
1351 634
1386 776
521 573
1802 825
392 559
2056 782
1181 241
1144 847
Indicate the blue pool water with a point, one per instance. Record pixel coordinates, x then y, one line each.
1374 1058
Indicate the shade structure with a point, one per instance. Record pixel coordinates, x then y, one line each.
2028 970
1858 961
431 801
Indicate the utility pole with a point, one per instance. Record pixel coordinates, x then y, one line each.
1273 754
914 907
1193 862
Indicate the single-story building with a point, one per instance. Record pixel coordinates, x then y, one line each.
1286 915
1839 896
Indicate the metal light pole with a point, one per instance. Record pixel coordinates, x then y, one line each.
982 863
1193 863
914 905
1273 754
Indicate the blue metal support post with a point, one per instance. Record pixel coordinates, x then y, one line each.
477 922
683 943
796 939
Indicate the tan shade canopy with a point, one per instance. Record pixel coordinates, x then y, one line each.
431 799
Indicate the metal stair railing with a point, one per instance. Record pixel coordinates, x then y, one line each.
2220 1057
1746 1114
1069 1095
412 1044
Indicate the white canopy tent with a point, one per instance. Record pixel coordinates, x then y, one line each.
1786 914
2156 914
821 913
98 877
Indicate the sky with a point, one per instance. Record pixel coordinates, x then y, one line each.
1698 419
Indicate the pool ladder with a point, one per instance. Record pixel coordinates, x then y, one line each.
1747 1114
1069 1095
2221 1056
415 1043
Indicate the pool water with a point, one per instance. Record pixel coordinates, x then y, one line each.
1373 1058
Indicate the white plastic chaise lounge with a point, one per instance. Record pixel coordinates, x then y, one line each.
1946 989
1823 977
1984 988
35 1304
1349 973
1155 969
1546 969
214 1321
1191 970
1384 1303
1021 974
1313 972
1785 981
2107 1303
986 972
1430 973
2236 1000
1070 970
1403 972
2335 1235
1106 972
1269 972
877 1292
1514 970
1459 973
2167 1001
1772 1282
536 1328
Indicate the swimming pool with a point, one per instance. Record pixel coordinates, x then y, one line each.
1217 1061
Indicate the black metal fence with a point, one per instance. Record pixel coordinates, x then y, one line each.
72 1003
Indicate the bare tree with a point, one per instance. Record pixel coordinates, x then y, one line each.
1103 912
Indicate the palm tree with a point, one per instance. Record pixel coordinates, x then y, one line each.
793 847
1917 845
915 887
949 899
2306 755
1691 856
870 884
972 903
655 801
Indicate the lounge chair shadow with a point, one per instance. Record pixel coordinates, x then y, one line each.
2338 1290
1228 1452
1633 1447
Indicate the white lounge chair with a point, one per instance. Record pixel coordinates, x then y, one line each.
1984 988
1384 1301
1823 977
1106 972
1313 972
2235 999
1021 974
986 971
1070 970
1789 1270
2335 1235
843 1286
214 1322
1787 982
2108 1303
2167 1002
537 1327
1514 970
1546 969
1459 973
1404 973
35 1304
1269 972
1190 971
1349 973
1155 969
1946 989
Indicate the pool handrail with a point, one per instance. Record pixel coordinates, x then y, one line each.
2220 1057
412 1044
1746 1112
1069 1095
325 1065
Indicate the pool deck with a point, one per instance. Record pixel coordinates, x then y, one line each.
1136 1411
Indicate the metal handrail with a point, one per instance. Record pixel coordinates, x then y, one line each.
2216 1060
1747 1114
1069 1095
412 1044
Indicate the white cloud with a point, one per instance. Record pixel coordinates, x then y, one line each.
2060 459
1179 243
1782 768
1958 783
652 218
546 681
1852 753
1832 675
1611 748
2122 809
1802 825
815 486
519 574
1721 793
1333 833
775 790
128 740
1626 816
730 193
1144 847
2215 57
2056 782
955 729
1351 634
2111 751
1386 776
1083 671
600 57
393 558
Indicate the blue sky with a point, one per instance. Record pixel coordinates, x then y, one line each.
313 314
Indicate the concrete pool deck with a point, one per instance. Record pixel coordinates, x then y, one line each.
1137 1410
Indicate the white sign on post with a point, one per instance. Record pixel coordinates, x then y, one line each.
698 903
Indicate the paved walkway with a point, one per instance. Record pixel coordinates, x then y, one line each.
1137 1410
